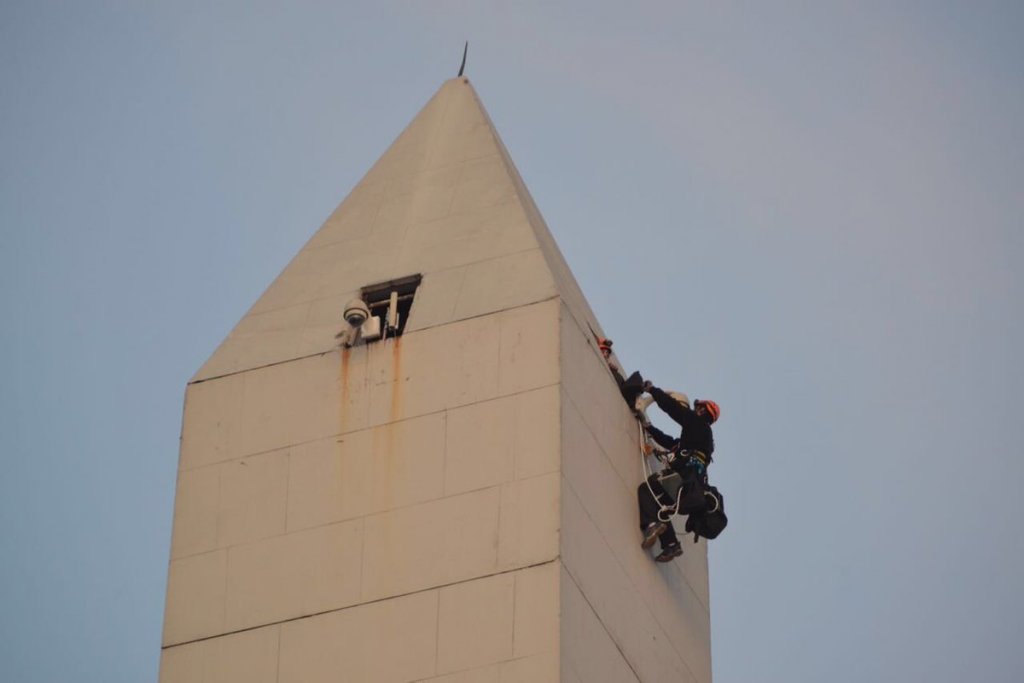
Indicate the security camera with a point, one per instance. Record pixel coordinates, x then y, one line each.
356 312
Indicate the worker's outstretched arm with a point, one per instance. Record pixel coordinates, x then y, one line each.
678 412
660 437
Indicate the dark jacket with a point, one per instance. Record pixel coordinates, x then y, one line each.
696 432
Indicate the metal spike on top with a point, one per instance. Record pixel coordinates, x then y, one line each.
465 49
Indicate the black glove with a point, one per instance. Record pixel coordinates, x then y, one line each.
647 385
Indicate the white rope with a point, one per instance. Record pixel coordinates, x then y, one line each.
647 478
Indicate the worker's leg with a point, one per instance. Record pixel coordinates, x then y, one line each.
671 548
651 524
668 537
649 505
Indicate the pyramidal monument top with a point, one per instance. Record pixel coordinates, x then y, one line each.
444 201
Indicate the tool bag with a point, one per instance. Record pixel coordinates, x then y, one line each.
711 520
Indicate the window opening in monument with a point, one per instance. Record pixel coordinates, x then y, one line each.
390 304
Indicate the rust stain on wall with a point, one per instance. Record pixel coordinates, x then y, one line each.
386 460
396 373
345 353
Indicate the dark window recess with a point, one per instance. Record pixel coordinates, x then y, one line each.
389 303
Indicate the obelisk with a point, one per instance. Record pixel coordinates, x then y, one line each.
446 496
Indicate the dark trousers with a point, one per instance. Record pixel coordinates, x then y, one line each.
649 508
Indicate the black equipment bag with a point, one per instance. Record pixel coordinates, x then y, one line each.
711 520
693 501
632 387
687 488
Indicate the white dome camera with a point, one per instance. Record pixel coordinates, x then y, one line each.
356 312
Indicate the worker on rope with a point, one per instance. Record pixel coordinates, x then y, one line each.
630 387
688 457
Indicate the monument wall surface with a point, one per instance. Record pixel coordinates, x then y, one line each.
387 512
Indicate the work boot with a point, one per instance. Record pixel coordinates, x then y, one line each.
651 533
669 553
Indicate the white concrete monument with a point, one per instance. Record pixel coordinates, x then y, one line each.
452 502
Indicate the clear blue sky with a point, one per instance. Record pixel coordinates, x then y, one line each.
811 214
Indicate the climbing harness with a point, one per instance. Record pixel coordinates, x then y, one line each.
670 479
695 460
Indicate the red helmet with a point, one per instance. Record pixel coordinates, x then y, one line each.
604 344
713 410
